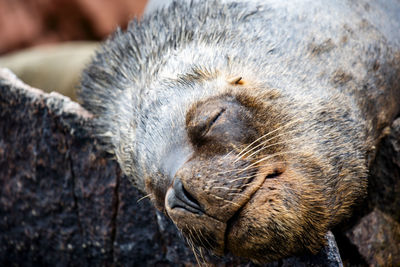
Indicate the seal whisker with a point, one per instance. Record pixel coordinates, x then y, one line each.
199 251
235 194
242 178
206 239
240 169
272 156
228 171
221 187
200 239
202 257
191 244
243 152
268 133
274 144
235 148
266 141
146 196
255 166
225 200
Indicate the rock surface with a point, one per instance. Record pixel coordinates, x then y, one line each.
63 202
377 237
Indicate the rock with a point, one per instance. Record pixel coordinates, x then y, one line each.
377 237
384 180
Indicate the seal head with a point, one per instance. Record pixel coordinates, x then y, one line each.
247 123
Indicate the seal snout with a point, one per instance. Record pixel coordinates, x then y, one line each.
178 197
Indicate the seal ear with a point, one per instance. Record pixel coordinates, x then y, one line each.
236 81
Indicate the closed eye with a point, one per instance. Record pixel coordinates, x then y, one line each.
198 131
213 120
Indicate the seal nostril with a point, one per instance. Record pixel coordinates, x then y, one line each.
189 197
184 199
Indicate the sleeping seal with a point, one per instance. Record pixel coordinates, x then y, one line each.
251 124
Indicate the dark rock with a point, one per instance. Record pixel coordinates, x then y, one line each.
384 180
39 219
377 237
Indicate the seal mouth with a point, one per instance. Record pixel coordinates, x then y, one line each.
206 209
236 216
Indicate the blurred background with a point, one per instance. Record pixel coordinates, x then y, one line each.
47 43
25 23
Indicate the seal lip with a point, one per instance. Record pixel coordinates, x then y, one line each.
235 216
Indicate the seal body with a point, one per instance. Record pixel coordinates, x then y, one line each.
251 124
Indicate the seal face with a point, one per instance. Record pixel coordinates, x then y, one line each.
244 121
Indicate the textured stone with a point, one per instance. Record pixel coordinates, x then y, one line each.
377 237
384 180
38 211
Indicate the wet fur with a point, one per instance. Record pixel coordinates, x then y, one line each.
313 85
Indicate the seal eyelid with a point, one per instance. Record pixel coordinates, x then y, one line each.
216 117
210 122
198 129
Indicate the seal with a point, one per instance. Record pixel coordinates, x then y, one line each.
251 124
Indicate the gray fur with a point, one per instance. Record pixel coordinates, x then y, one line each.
139 84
